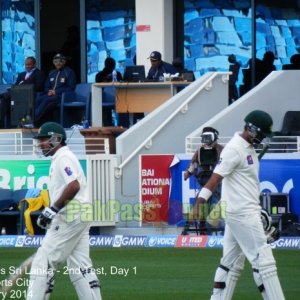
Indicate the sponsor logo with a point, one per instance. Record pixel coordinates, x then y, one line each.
287 243
191 241
118 241
102 241
215 241
20 240
7 241
161 241
29 241
129 241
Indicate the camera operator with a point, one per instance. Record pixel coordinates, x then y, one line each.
201 166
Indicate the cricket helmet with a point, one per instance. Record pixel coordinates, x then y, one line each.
260 121
47 130
55 134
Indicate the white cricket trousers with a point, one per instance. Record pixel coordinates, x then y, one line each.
64 241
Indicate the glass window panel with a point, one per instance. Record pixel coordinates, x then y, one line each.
215 29
110 32
18 37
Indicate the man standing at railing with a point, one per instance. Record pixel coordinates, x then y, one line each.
61 79
66 239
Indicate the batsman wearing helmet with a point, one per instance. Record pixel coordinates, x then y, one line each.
66 239
244 232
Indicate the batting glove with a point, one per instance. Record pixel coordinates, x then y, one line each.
272 235
46 217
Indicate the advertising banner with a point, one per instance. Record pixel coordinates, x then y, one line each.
282 176
153 241
155 182
278 174
26 174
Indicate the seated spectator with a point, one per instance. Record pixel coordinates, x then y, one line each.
295 63
61 79
106 74
179 67
31 75
159 67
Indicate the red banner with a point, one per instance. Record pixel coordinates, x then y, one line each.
155 187
191 241
143 28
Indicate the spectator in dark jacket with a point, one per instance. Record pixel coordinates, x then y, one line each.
61 79
159 67
31 75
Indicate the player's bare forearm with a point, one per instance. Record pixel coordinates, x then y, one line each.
209 188
68 194
213 182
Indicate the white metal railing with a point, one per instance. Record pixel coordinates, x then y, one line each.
14 143
16 140
278 144
101 185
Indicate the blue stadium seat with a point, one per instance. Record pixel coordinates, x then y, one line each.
263 28
194 26
79 99
196 38
94 35
222 24
209 12
229 38
242 24
196 50
189 15
114 33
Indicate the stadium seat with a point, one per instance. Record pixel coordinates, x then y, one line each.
10 216
79 99
290 124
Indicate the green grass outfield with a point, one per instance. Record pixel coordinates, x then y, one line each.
160 273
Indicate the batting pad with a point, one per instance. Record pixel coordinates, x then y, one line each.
268 272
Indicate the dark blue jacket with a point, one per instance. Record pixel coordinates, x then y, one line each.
164 67
63 80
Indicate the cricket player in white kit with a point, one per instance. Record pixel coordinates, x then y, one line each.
244 234
66 239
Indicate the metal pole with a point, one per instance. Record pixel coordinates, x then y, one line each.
253 41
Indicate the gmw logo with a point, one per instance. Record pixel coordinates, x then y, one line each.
288 243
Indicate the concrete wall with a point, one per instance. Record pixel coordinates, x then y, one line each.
157 15
276 94
207 96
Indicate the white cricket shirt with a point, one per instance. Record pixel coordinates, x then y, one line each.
239 166
65 168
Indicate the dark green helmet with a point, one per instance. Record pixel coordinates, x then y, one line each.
49 129
261 120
